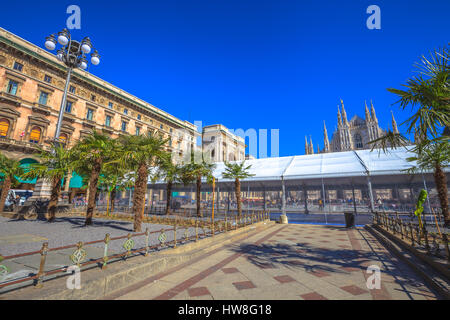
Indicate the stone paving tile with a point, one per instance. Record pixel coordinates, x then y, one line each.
147 292
230 270
244 285
354 290
313 296
284 279
198 291
321 268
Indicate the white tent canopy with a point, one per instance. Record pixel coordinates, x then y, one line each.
326 165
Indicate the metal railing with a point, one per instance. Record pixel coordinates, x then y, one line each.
191 230
433 242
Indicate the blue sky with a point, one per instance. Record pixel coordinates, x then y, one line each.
251 64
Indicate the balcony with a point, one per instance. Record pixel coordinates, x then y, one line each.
10 98
41 108
22 146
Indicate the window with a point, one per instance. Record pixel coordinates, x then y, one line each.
124 126
110 105
213 153
138 130
43 98
161 126
35 135
17 66
4 127
170 142
12 87
171 130
72 89
92 97
48 79
63 138
68 107
139 117
358 141
108 121
125 111
90 114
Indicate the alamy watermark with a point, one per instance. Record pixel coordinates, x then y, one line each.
374 20
74 20
74 280
374 280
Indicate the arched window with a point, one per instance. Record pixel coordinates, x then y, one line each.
35 135
213 153
358 141
4 127
63 138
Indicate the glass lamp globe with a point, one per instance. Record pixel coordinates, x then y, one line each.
59 56
95 58
50 45
63 40
83 65
86 48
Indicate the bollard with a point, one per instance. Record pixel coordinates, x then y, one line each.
196 229
418 235
175 234
412 234
40 275
401 228
105 252
425 235
445 239
147 235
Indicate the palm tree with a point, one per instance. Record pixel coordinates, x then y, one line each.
138 154
171 173
237 171
54 166
435 156
10 169
92 152
428 94
199 167
113 177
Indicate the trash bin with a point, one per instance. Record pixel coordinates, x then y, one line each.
349 219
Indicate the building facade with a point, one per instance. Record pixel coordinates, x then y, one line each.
31 87
353 134
221 144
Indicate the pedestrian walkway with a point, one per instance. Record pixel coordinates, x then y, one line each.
305 262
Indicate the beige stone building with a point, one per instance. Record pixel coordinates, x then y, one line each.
221 144
31 87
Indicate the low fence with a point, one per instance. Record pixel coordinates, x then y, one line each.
190 229
434 241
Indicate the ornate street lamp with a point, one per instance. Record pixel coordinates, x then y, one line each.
73 55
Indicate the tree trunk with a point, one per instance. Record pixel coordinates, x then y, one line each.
169 196
441 185
237 186
199 188
112 197
95 173
5 190
139 196
56 188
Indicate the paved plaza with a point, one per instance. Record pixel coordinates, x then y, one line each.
305 262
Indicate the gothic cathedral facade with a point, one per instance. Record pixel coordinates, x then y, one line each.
351 135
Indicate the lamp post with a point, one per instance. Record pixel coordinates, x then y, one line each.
73 55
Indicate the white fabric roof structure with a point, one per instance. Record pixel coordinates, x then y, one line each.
326 165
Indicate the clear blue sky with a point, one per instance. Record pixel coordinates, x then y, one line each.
250 64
